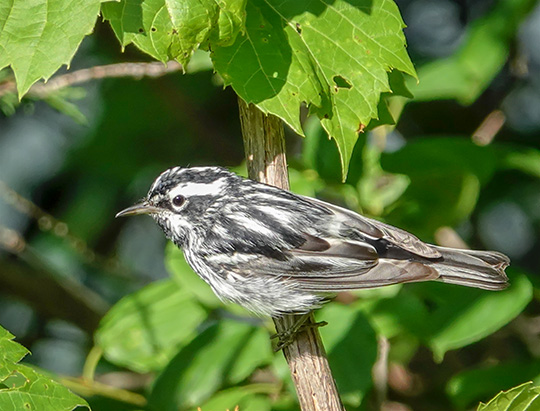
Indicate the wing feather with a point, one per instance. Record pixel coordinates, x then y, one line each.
385 273
323 274
379 230
331 265
323 258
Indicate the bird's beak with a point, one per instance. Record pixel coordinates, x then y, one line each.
142 208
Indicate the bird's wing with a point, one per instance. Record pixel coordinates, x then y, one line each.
331 265
325 249
378 230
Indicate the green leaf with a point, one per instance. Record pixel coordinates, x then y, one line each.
145 329
476 384
400 314
446 175
525 397
305 183
321 154
347 334
442 155
378 189
245 398
255 352
398 84
527 161
174 29
38 36
10 353
227 350
66 107
334 57
471 69
187 279
461 316
200 61
27 389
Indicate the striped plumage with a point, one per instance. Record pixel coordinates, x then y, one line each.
276 252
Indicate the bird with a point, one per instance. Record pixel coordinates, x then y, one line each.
278 253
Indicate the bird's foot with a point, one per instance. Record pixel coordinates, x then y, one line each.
286 337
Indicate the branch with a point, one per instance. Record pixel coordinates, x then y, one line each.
448 237
380 373
13 242
135 70
486 132
265 154
89 388
50 295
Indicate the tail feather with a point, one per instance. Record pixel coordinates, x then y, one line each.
480 269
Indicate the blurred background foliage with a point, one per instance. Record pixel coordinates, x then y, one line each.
114 311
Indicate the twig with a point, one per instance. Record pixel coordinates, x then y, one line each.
380 372
486 132
126 380
50 295
265 153
135 70
89 388
13 242
92 360
448 237
528 328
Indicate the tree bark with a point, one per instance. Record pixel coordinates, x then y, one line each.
264 145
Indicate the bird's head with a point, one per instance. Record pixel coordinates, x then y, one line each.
180 198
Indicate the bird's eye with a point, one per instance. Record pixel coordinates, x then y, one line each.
178 200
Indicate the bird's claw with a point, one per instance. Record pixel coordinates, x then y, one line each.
286 337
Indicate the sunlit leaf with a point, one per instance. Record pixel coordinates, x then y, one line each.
392 316
245 398
334 57
321 154
347 334
174 29
378 189
228 349
480 383
445 174
525 397
188 279
27 389
39 36
460 316
526 161
145 329
255 352
10 353
442 155
305 183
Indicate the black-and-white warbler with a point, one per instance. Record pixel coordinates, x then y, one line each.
275 252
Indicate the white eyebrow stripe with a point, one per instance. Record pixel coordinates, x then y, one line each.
199 189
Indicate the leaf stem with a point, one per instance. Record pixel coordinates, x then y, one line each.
88 388
92 360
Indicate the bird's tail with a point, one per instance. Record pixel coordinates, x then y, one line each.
480 269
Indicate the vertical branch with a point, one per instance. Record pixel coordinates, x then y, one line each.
380 373
265 154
